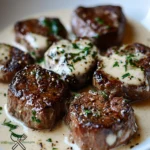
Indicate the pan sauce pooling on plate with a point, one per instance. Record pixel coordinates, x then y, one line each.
89 113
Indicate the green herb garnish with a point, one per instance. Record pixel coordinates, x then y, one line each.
76 59
40 60
116 64
76 95
94 54
10 125
99 20
32 54
86 50
104 94
49 140
55 148
74 45
87 111
62 51
71 67
129 60
34 118
5 94
53 25
125 75
1 108
16 135
90 44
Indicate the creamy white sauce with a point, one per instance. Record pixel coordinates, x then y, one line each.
133 75
111 139
36 41
56 60
60 133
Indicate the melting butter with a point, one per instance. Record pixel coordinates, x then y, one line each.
132 75
36 41
66 58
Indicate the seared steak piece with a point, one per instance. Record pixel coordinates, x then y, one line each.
125 71
37 97
98 123
38 34
75 61
12 60
105 25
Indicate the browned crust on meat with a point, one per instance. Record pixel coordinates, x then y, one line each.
35 26
18 60
103 81
105 117
103 34
39 90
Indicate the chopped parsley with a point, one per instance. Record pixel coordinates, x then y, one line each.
34 118
86 51
55 148
129 60
94 54
1 108
5 94
71 67
87 112
16 135
116 64
40 60
104 94
125 75
53 25
74 45
32 54
90 44
77 59
63 51
10 125
49 140
76 95
99 20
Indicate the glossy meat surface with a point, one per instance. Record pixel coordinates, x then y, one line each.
37 97
105 25
100 123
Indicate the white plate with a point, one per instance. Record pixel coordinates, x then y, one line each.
12 10
135 32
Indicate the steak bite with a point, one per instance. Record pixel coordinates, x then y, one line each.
12 60
37 97
38 34
75 61
125 71
105 25
97 122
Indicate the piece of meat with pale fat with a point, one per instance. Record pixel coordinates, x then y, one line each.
99 123
38 34
12 60
75 61
125 71
104 25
